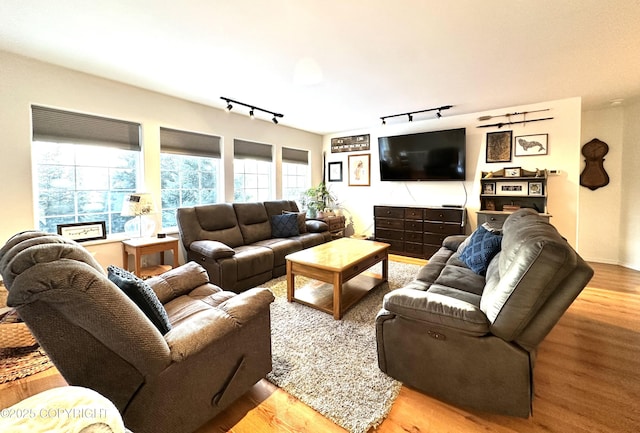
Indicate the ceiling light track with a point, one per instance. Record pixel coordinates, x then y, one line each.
411 113
252 109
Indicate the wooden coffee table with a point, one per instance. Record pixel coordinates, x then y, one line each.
340 264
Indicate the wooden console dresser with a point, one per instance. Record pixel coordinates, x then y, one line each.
417 231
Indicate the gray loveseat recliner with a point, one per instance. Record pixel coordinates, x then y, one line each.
470 339
235 241
217 347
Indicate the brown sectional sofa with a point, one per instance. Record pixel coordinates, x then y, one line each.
235 242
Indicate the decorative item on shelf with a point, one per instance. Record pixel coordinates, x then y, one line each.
139 206
512 172
510 207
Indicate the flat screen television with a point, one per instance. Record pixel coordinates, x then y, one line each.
424 156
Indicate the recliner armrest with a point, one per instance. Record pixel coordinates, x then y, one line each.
435 307
453 242
203 328
212 249
316 226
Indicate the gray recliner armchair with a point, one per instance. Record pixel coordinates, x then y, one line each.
471 339
218 345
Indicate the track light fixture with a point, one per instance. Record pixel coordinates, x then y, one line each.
411 113
252 109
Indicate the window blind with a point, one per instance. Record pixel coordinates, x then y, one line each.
189 143
295 156
50 124
250 150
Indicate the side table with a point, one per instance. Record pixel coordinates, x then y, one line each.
141 246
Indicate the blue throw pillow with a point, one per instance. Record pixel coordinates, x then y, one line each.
482 246
143 296
284 226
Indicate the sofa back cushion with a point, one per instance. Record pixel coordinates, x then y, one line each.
533 263
215 222
253 221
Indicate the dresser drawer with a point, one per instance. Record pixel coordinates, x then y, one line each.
388 212
413 248
494 220
413 237
444 228
447 215
389 234
390 223
434 239
413 213
413 226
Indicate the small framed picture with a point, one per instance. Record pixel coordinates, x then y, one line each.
489 188
512 172
81 232
527 145
335 172
535 188
360 170
490 205
512 188
499 146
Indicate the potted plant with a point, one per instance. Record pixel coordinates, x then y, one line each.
317 200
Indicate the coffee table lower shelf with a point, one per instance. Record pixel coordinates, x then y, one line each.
319 295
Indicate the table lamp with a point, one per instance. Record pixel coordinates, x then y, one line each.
139 206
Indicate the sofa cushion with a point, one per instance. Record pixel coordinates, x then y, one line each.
253 221
482 246
284 226
302 220
142 295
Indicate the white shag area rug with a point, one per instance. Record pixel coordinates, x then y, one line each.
332 365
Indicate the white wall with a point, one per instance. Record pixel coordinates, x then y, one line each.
564 150
630 197
24 82
600 209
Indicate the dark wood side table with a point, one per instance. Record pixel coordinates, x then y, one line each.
142 246
336 225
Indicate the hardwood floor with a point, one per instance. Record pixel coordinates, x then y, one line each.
587 379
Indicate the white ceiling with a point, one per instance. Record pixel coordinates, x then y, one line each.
336 65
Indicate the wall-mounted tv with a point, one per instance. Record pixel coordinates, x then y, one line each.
434 155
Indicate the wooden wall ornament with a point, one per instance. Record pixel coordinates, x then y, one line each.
594 175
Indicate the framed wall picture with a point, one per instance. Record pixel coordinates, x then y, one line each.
335 172
360 170
527 145
80 232
499 146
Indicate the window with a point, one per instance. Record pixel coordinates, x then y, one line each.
83 167
189 170
295 173
252 171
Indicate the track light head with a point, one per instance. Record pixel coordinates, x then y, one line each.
229 107
438 114
251 114
410 117
384 121
274 120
